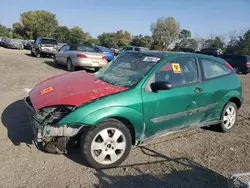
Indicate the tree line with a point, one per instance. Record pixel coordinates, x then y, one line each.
166 34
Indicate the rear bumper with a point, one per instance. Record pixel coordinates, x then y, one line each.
88 63
47 52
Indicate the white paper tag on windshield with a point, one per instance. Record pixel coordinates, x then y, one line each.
153 59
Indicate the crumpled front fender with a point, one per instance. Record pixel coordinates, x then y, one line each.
134 116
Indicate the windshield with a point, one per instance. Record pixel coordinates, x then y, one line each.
49 41
127 69
84 48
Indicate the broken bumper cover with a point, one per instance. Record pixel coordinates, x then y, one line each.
42 130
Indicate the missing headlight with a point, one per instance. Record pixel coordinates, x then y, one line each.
51 115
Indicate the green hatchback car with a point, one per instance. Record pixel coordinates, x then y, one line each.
138 95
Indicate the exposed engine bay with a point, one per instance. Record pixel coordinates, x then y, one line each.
48 135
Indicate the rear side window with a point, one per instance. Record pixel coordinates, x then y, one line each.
213 69
49 41
104 49
84 48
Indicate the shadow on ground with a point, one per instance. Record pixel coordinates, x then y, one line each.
54 65
16 119
161 171
63 67
29 54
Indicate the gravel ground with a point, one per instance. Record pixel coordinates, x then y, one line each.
195 158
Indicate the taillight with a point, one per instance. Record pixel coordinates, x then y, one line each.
104 57
228 65
82 56
247 64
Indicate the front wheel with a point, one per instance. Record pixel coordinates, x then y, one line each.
229 117
107 144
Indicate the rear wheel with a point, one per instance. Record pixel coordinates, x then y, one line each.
20 47
245 72
38 54
97 69
70 66
229 117
107 144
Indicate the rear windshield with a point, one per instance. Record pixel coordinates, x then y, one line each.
84 48
104 49
49 41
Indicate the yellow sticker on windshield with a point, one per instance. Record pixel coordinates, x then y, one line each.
176 67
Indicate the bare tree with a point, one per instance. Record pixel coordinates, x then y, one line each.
200 41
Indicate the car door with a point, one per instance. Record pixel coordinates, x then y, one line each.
214 76
178 107
61 54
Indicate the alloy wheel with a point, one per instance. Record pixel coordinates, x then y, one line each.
108 146
229 117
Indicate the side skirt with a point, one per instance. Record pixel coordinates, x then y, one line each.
176 130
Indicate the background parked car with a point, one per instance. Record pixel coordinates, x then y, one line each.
44 46
178 49
61 45
211 51
105 51
80 55
133 48
15 44
114 51
240 63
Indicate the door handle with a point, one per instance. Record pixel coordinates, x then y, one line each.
198 90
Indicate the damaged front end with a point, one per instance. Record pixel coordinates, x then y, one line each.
48 135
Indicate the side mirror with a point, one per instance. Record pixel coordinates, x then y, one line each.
161 85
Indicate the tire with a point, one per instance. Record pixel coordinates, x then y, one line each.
38 54
245 72
54 59
70 66
108 145
227 125
20 47
97 69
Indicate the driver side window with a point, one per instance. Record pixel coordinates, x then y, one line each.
64 49
178 72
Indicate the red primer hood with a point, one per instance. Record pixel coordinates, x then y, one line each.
70 89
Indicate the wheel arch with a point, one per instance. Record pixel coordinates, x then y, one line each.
128 124
232 96
236 101
131 118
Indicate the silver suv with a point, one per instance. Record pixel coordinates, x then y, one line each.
44 46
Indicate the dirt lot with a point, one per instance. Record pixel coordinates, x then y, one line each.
197 158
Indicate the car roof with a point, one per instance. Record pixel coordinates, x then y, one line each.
162 54
47 38
156 53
